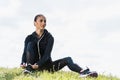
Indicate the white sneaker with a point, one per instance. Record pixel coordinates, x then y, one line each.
90 74
27 72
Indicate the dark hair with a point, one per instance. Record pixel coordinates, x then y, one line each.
39 15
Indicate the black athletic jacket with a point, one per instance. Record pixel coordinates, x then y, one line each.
45 44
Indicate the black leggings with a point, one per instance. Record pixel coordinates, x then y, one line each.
33 57
67 61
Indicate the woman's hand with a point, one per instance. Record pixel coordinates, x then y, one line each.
35 66
23 65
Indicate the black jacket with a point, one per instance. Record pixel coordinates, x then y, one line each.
45 46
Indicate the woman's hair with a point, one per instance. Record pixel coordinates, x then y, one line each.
36 17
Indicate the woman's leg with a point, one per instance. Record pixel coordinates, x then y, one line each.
59 64
31 55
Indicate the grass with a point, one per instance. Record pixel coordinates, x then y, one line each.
16 74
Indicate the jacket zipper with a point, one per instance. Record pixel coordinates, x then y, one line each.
38 45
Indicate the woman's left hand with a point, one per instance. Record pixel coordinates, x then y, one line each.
35 66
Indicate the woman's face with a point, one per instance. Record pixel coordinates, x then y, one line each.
40 23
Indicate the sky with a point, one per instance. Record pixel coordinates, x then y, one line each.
86 30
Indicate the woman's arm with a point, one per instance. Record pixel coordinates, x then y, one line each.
24 52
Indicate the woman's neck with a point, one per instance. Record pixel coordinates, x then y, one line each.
39 32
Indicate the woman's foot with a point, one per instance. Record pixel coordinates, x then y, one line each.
28 70
88 73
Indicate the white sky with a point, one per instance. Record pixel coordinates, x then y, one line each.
86 30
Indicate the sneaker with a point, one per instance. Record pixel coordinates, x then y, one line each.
88 73
28 70
84 73
93 74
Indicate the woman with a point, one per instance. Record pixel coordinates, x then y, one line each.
37 52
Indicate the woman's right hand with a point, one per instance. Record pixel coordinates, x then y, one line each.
23 65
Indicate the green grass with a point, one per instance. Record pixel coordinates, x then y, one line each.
16 74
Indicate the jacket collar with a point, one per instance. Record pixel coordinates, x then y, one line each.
34 34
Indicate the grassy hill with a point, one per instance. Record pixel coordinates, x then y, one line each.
16 74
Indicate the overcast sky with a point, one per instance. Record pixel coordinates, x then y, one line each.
86 30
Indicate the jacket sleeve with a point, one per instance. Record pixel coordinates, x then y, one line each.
47 53
24 52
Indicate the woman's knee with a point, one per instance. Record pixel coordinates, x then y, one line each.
69 60
30 46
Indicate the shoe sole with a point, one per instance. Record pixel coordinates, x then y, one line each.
27 72
92 74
